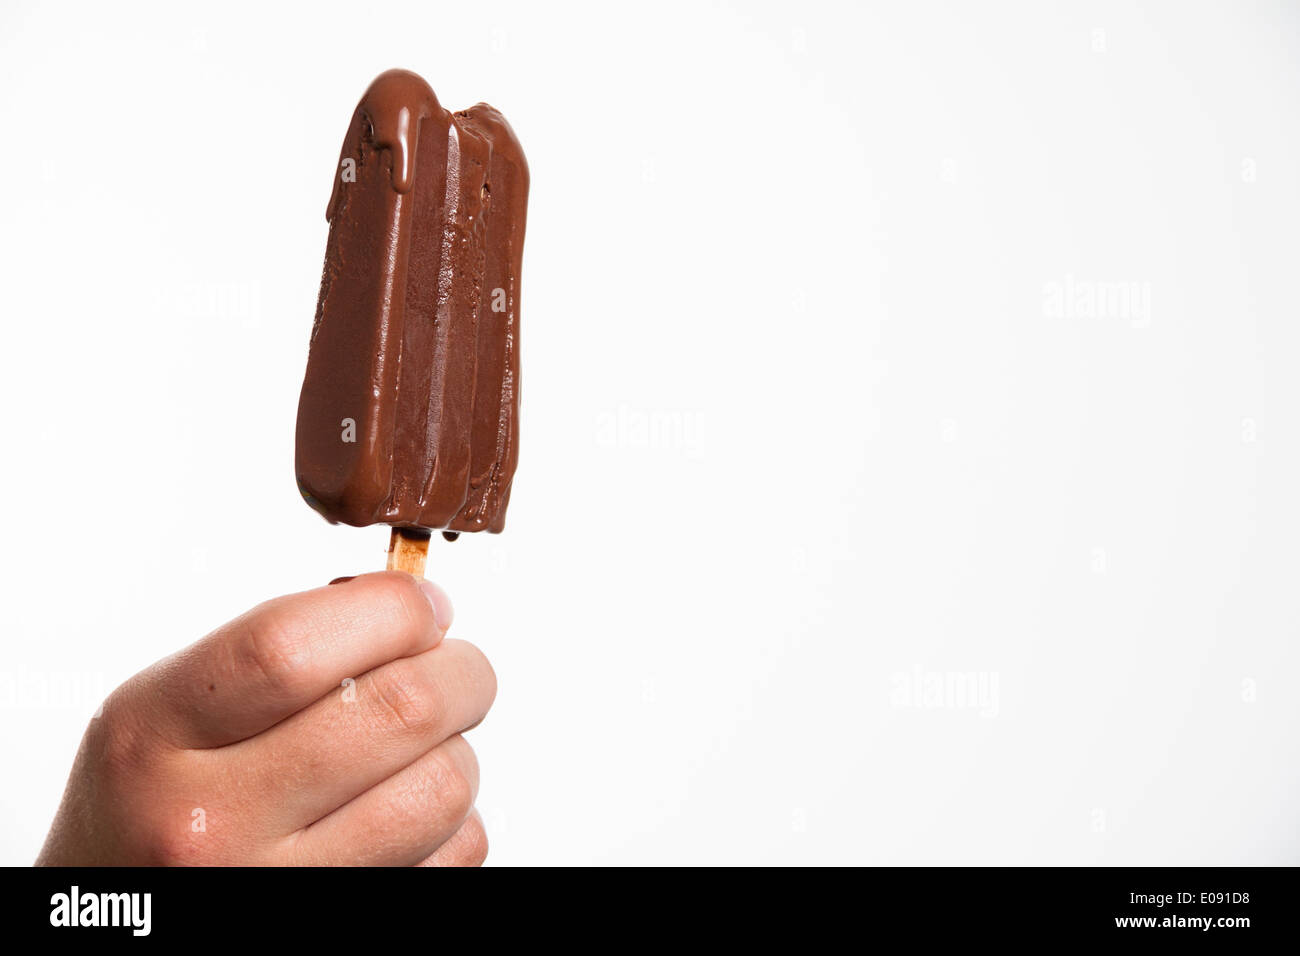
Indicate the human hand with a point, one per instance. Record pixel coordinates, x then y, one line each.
320 728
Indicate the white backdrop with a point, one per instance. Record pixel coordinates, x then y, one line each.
910 467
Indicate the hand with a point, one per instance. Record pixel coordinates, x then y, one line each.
321 728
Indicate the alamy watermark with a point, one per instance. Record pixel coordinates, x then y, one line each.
53 690
1109 300
225 302
919 689
653 429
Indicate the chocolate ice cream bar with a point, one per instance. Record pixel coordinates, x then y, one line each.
409 413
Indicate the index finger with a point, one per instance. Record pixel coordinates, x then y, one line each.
282 655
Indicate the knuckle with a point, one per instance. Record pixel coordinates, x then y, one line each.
176 846
481 671
122 742
412 810
404 700
455 793
410 610
472 846
215 833
452 777
181 845
275 651
430 807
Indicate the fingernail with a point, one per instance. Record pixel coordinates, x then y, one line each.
442 612
343 580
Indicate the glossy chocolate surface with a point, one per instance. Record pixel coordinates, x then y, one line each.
409 407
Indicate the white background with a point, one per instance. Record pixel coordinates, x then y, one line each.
824 422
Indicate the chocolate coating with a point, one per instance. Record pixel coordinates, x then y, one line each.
416 339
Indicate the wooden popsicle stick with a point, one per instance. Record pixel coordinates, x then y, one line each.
407 550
